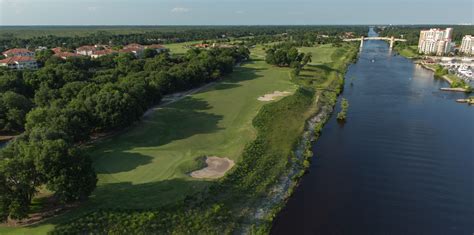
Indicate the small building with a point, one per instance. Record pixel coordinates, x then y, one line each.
18 52
57 50
86 50
100 53
134 48
19 62
65 54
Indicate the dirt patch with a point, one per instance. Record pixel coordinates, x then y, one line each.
216 168
274 95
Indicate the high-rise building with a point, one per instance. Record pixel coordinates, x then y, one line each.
436 41
467 45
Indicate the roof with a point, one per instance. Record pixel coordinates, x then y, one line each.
128 50
16 51
103 52
133 46
57 50
65 54
16 59
86 48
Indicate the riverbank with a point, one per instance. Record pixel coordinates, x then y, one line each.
446 78
326 95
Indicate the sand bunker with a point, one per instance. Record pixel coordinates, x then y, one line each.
216 168
274 95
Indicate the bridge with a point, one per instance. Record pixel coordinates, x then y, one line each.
392 40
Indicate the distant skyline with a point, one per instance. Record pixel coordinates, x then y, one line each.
234 12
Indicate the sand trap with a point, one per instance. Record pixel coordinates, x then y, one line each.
274 95
216 168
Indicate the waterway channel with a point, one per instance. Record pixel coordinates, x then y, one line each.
403 163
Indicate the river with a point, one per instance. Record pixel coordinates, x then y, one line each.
402 164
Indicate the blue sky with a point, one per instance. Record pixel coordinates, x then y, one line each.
234 12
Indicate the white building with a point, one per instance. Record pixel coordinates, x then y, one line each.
467 45
19 62
86 50
436 41
18 52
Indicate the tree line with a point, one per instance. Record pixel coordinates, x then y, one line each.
62 104
12 37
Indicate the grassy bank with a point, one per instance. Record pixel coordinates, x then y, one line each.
410 52
144 186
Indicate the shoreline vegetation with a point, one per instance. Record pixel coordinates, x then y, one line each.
455 83
342 115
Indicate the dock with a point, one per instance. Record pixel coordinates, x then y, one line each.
457 89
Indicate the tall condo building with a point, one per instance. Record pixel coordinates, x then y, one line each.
436 41
467 45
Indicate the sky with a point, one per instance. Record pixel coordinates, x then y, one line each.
234 12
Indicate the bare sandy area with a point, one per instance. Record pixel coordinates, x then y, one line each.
216 168
274 95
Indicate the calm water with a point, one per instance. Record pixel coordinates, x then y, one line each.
402 164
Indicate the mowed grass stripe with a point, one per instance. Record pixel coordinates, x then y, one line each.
216 121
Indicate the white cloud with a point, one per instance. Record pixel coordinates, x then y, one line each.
180 10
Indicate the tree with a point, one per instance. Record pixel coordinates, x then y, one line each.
13 109
42 156
149 53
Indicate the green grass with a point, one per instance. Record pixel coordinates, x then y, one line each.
322 54
408 51
217 121
180 48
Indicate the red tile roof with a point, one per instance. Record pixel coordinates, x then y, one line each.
66 54
57 50
16 51
128 50
14 59
135 46
103 52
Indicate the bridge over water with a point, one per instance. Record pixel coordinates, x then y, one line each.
392 40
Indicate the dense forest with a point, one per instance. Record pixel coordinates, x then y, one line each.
60 105
24 37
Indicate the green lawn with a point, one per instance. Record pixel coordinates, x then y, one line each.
147 165
180 48
409 51
322 54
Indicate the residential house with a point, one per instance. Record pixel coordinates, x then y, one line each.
86 50
18 52
134 48
100 53
65 54
19 62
